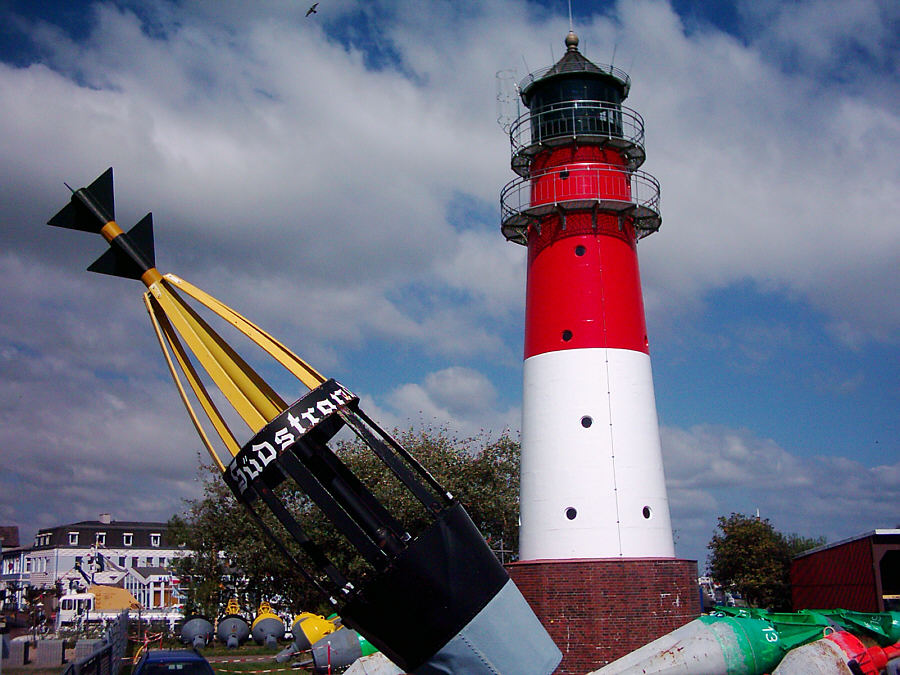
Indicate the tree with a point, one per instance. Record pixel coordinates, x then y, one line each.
797 544
233 557
230 556
750 555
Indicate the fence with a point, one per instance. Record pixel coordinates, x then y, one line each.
107 658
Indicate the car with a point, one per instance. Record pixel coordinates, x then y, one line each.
172 662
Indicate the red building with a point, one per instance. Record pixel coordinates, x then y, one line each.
861 574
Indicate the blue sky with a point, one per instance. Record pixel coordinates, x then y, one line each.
336 179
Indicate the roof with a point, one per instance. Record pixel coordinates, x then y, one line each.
112 525
12 551
893 532
115 531
9 536
151 571
111 598
573 62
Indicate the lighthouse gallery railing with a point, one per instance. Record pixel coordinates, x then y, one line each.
605 187
610 124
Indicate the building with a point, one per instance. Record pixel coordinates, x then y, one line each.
597 557
13 579
153 587
861 573
9 536
96 547
130 554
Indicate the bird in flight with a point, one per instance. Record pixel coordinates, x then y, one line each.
312 10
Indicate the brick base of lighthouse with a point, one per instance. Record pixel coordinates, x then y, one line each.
599 610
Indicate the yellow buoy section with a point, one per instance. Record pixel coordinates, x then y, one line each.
267 628
309 628
264 612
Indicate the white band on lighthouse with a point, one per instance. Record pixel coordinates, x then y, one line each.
592 476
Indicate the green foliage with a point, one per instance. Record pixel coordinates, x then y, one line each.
750 555
233 558
797 544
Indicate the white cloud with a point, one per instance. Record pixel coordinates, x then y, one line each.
459 398
766 174
714 471
313 192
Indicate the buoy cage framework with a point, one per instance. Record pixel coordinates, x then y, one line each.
310 421
444 573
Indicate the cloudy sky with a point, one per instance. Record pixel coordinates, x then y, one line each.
336 178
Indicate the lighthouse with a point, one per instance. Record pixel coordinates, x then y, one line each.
595 545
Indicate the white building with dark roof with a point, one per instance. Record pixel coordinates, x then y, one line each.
97 551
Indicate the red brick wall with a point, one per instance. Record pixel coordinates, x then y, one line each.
599 610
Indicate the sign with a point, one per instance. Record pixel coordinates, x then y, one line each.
281 433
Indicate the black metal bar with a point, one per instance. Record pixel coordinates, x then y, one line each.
332 509
285 552
320 560
337 478
398 468
400 450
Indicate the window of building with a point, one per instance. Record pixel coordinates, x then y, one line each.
73 539
154 540
122 561
27 564
128 539
134 561
101 539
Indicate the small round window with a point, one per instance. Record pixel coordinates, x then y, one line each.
571 512
566 335
647 512
580 250
587 421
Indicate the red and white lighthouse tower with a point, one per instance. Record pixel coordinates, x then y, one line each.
594 511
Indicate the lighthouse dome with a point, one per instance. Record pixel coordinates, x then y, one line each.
574 78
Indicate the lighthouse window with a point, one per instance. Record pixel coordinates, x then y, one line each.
571 513
566 335
580 250
587 421
647 513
